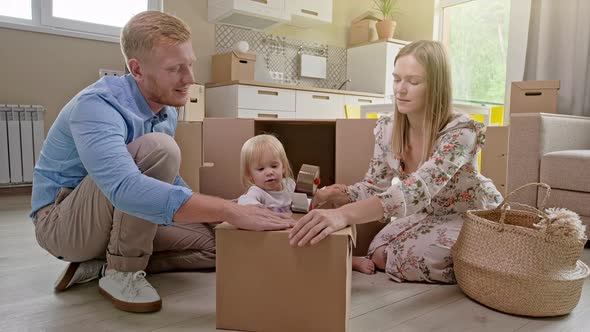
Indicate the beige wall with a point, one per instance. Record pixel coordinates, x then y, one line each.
45 69
48 70
194 13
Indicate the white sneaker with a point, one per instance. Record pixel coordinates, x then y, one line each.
79 273
129 291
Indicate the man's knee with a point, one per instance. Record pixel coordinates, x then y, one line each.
160 145
156 150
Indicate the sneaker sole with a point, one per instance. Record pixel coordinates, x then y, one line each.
66 277
132 307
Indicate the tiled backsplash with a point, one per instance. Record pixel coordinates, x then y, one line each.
280 54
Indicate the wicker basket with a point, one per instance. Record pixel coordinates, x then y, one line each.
503 262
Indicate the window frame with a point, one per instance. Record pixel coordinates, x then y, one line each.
43 21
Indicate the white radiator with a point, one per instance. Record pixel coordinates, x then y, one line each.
21 136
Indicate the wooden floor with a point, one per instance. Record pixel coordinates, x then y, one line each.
28 303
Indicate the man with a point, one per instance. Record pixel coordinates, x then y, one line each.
107 181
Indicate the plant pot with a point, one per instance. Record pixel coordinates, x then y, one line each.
385 29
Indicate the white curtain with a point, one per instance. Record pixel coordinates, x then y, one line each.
559 49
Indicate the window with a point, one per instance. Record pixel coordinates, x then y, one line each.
19 9
475 33
101 20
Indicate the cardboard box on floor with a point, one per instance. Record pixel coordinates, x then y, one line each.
264 284
341 148
534 96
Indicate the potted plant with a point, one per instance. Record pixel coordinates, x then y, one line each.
386 27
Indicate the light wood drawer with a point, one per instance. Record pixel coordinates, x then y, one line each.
263 98
317 105
265 114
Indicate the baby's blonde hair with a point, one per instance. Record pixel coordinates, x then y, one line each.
146 29
252 151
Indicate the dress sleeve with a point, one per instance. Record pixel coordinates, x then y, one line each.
378 177
454 149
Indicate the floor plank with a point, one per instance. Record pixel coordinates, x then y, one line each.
28 302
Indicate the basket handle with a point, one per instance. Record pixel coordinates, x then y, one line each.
505 205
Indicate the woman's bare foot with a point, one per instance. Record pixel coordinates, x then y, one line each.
379 258
363 265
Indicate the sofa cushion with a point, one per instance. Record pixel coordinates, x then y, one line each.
568 170
572 200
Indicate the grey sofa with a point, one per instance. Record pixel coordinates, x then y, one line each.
554 149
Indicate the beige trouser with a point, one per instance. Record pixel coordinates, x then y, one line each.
82 224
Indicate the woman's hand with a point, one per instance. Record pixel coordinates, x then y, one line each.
330 197
316 225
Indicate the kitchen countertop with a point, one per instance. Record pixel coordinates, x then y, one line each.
294 87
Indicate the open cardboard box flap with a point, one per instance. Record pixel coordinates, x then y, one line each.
347 231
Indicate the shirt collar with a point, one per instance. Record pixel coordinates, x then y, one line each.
144 109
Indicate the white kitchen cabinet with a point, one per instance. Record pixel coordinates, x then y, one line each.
308 13
261 101
317 105
266 98
264 114
253 14
249 101
362 100
370 66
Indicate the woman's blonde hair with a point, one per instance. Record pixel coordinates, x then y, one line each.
253 150
433 57
146 29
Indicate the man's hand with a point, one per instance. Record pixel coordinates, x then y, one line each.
316 225
330 197
256 218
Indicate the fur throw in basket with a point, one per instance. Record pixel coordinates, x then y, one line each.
562 223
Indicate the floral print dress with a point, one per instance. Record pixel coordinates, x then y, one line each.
424 208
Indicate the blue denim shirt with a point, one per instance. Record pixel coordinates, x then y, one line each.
90 137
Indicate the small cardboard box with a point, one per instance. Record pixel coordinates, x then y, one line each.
362 32
194 110
264 284
232 66
534 97
189 137
362 29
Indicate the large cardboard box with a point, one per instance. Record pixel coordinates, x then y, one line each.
264 284
494 157
534 97
342 148
189 137
232 66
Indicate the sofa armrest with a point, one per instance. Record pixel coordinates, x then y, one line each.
534 134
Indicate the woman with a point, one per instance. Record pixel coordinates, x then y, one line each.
420 179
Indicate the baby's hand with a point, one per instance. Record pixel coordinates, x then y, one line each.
330 197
